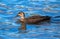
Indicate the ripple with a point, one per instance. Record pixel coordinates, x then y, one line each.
9 27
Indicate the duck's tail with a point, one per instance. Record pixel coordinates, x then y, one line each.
47 18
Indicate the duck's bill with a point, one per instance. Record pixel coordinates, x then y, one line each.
17 15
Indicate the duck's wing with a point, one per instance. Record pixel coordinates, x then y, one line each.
37 19
34 20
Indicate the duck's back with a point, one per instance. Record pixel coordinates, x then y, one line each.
36 19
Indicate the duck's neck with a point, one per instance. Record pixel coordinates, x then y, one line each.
22 18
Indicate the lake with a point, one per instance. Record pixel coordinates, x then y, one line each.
47 30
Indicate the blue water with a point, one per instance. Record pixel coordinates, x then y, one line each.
10 8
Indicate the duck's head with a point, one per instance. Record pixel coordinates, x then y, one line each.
21 14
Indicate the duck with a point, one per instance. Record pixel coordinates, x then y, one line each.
36 19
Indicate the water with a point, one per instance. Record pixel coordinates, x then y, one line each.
10 8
